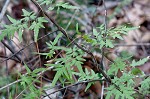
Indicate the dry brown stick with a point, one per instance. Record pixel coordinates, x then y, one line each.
4 57
4 10
9 48
10 84
65 34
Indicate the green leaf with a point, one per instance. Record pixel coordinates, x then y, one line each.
131 28
95 32
136 71
118 64
57 76
123 89
86 71
46 2
11 19
79 58
145 86
102 28
78 64
87 38
102 44
20 32
77 29
108 95
57 38
35 26
116 35
140 62
33 16
39 70
109 43
66 73
125 55
27 68
2 35
26 13
66 5
58 9
42 19
88 86
51 8
36 32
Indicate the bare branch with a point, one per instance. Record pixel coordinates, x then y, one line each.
4 10
10 84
